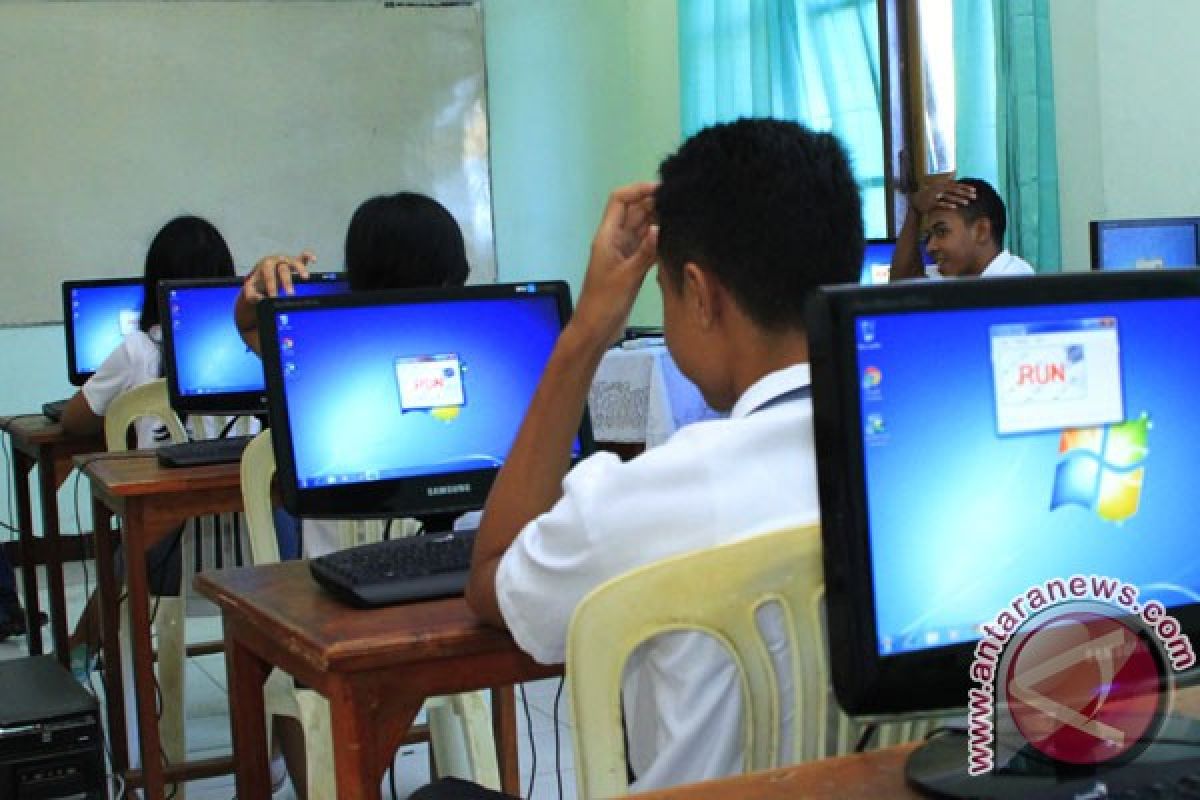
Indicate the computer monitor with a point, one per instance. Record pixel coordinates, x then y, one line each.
97 315
209 368
877 261
976 438
405 403
1123 244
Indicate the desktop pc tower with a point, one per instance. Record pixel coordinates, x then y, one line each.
51 744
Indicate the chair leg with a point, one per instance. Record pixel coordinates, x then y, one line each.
460 735
169 627
318 746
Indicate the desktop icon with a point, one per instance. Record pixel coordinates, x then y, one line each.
1103 468
872 377
867 330
875 425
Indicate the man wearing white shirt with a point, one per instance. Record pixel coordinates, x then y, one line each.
965 224
749 217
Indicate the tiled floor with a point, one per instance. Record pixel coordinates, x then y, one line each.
208 719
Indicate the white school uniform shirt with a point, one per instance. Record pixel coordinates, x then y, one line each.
711 483
1003 265
136 361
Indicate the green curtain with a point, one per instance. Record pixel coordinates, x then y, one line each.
1026 130
976 155
813 61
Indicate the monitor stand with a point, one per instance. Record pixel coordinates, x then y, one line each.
938 768
437 523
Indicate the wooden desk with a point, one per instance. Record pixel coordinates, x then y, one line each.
38 442
376 668
872 775
152 502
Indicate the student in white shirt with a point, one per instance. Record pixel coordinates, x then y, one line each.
749 217
965 224
405 240
187 247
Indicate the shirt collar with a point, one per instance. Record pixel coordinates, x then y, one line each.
770 386
998 263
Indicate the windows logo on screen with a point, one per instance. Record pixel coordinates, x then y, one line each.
1102 468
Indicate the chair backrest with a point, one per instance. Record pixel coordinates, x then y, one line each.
148 400
717 591
258 469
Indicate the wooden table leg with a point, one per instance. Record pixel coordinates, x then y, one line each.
504 728
22 467
108 590
364 741
48 484
247 674
137 536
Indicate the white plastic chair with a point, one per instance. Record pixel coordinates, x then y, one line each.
783 567
150 400
460 728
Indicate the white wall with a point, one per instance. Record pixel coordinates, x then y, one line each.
1128 119
583 96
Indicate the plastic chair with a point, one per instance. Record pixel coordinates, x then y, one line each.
150 400
460 726
781 568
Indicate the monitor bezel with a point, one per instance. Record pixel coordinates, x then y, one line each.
1097 225
245 402
75 376
865 682
409 497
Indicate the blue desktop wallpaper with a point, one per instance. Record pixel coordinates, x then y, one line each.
881 253
1122 247
96 314
960 518
343 399
210 356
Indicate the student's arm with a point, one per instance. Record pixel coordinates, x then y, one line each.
907 262
530 482
78 419
269 276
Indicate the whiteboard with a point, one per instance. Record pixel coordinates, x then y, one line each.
273 120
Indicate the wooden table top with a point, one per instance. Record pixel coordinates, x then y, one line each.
877 774
39 429
137 472
283 601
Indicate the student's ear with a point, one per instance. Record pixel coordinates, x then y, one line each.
981 231
701 294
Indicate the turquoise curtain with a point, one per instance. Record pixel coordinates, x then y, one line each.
1004 95
1026 132
813 61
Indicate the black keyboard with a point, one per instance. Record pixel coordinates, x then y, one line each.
1168 769
396 571
54 411
205 451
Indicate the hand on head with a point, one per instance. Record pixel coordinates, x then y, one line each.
273 275
942 195
623 250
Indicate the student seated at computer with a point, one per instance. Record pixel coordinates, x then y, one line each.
965 222
398 241
748 219
187 247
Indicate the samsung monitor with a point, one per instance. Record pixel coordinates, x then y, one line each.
208 366
1124 244
877 261
405 403
97 315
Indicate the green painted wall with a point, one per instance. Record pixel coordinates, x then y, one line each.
583 97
